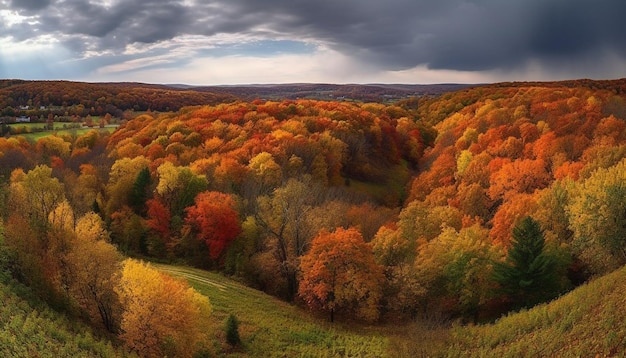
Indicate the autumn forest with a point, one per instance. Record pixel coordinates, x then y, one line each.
464 206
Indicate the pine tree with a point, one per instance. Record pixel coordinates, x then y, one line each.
139 192
232 330
528 274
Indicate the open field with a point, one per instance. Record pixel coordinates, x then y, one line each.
272 328
584 322
60 131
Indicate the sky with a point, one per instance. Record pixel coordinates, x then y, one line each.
219 42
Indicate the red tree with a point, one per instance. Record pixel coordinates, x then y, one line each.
159 220
214 220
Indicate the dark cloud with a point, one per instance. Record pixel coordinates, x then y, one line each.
29 4
470 35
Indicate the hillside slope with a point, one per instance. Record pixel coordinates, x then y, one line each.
28 328
586 322
273 328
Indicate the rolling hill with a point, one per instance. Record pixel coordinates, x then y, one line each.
434 187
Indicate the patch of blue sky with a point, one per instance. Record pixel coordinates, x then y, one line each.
260 48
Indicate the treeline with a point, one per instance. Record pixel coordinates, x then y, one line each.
63 98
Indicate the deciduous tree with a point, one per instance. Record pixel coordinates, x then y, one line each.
161 316
93 266
597 217
282 217
214 220
339 273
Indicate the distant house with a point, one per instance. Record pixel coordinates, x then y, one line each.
22 119
24 107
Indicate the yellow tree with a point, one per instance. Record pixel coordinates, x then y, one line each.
267 172
161 316
597 217
178 187
339 273
402 291
282 217
455 269
121 178
36 194
93 271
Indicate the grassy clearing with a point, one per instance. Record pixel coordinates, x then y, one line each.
74 132
588 321
272 328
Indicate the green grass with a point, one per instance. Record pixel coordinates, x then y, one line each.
75 132
589 321
272 328
28 328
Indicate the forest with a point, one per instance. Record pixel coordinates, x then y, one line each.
465 205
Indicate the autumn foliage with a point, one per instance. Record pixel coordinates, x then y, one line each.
368 210
214 220
339 274
161 316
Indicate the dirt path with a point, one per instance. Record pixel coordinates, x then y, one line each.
191 276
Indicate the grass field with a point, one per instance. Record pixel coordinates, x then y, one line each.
58 130
272 328
586 322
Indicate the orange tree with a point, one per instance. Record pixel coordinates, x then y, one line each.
339 273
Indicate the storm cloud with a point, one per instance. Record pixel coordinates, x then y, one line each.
460 35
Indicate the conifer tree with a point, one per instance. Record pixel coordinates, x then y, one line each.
139 193
232 330
528 274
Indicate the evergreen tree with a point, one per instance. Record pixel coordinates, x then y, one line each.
232 330
139 194
528 274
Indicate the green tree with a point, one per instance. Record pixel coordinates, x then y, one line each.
455 268
232 330
139 194
528 274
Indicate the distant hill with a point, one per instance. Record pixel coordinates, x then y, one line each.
321 91
40 98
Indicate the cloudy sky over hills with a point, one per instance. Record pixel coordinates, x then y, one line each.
282 41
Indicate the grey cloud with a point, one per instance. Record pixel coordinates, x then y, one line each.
393 34
29 4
